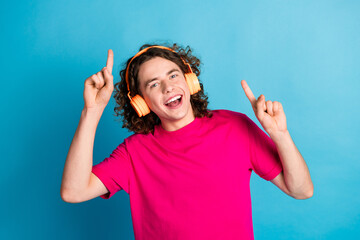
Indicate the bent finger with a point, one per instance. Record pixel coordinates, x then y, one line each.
91 80
275 106
269 108
101 78
96 81
260 106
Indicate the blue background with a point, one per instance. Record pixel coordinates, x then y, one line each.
304 54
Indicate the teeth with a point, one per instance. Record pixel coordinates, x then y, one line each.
173 99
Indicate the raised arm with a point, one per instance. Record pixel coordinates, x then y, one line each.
295 179
79 183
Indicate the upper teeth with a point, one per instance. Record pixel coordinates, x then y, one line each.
173 99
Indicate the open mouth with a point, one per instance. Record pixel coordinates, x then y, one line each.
174 102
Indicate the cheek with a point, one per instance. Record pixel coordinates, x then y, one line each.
182 83
150 100
186 87
147 100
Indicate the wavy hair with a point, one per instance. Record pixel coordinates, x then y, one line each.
146 124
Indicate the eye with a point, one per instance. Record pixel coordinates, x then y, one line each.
173 76
154 85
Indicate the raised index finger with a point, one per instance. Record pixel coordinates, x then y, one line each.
110 61
249 94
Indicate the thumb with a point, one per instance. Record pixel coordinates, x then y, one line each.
109 85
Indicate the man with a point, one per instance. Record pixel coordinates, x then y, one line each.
186 168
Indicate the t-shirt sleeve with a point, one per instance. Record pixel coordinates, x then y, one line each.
114 171
264 157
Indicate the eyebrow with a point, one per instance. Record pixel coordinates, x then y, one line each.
168 73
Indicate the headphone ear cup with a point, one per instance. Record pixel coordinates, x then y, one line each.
140 106
193 82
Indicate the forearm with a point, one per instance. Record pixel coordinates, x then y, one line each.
79 161
296 173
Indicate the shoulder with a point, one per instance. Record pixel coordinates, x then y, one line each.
137 139
227 120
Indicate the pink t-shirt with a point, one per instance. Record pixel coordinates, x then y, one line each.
193 183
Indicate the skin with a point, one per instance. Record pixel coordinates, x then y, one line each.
295 178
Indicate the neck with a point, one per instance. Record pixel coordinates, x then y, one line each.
176 125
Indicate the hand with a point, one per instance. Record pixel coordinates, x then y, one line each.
99 87
270 114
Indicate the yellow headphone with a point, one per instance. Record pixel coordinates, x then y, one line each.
139 104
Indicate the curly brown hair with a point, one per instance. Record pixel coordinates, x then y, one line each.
146 124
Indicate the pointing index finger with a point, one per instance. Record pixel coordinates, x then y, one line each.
249 94
110 61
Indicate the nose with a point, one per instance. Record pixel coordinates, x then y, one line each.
167 86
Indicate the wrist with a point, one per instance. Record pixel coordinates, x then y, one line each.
92 114
280 136
93 111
